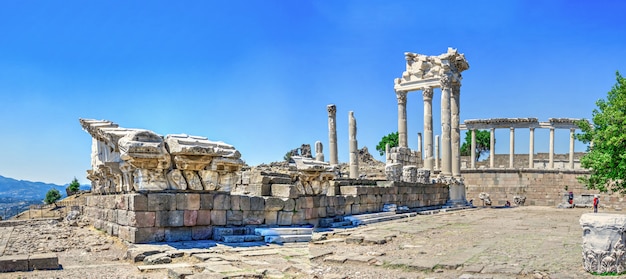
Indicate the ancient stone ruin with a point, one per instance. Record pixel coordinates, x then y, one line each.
604 242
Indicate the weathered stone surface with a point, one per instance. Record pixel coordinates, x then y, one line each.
253 217
174 218
274 204
190 218
218 217
603 242
14 263
284 191
141 219
161 258
161 201
203 217
187 201
284 218
271 217
206 201
178 234
257 203
234 217
201 232
221 202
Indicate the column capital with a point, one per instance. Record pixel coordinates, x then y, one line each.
401 96
427 93
446 81
512 129
332 109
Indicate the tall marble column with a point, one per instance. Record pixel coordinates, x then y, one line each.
512 148
354 150
473 150
455 133
446 141
419 142
492 146
402 136
428 128
332 134
531 149
437 152
571 148
551 154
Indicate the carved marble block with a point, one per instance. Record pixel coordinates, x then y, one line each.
604 247
409 174
393 172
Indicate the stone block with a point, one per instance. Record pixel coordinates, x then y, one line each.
187 201
235 202
190 218
145 235
253 217
257 203
310 213
111 215
203 218
274 204
284 218
174 218
234 217
47 261
206 201
221 202
161 201
178 234
218 217
201 232
321 212
271 217
244 203
284 191
14 263
122 217
298 217
290 204
140 219
121 202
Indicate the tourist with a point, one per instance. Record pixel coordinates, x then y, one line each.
508 204
596 201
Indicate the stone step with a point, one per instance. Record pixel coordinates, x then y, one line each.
283 231
341 224
368 216
384 218
326 222
441 210
241 238
287 238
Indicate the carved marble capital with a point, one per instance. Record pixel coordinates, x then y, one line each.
446 81
427 93
401 96
332 109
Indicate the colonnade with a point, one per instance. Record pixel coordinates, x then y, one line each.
521 123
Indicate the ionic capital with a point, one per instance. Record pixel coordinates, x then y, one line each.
401 96
427 93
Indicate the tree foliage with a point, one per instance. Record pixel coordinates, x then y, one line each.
74 185
606 157
482 143
52 196
391 139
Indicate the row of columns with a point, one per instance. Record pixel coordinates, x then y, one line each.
450 127
531 150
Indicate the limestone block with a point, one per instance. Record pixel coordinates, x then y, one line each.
257 203
161 202
284 191
149 180
137 202
210 179
227 181
187 201
221 202
193 180
235 202
409 174
206 201
201 232
284 218
244 203
176 180
203 218
253 217
603 242
271 217
234 217
47 261
218 217
14 263
274 204
393 172
190 218
178 234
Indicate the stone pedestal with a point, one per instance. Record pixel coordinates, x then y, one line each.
393 172
603 242
409 174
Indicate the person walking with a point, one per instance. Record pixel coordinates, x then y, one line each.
596 201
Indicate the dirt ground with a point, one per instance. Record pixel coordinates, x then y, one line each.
521 242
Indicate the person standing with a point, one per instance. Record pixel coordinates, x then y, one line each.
596 201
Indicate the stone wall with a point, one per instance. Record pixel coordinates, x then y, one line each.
180 216
540 187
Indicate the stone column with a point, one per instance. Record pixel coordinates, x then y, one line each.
531 149
354 149
319 151
419 142
446 141
571 148
332 133
402 136
512 148
437 152
428 128
473 152
492 146
551 154
455 133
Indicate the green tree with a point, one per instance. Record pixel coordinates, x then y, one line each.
391 139
606 157
482 143
287 156
74 186
52 196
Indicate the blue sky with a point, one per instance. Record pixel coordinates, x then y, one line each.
259 74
